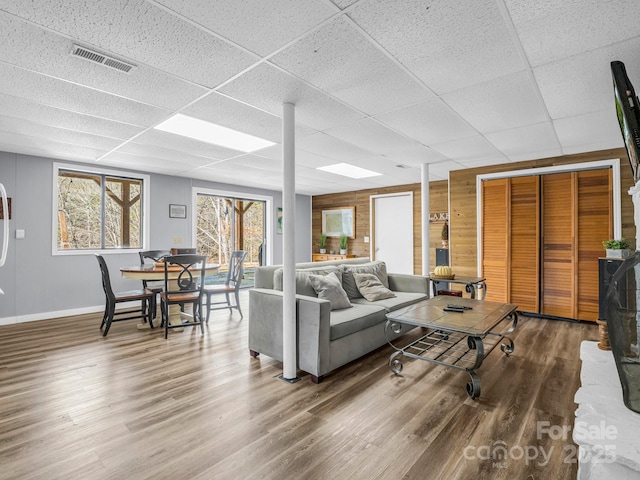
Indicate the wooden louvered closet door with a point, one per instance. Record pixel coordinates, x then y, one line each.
495 238
541 239
595 223
524 265
559 199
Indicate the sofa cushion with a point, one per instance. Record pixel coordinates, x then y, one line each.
371 288
402 299
379 269
328 287
303 285
353 320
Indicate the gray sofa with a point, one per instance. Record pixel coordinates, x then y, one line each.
327 339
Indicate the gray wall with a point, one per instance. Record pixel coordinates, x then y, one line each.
39 285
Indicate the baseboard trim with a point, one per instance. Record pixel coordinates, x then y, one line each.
35 317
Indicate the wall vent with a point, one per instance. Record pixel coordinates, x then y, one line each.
102 59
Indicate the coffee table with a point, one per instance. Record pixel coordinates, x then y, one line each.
454 339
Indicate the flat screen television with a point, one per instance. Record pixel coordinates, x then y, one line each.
628 111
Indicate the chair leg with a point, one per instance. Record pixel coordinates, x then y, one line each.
151 308
226 294
208 306
198 305
104 317
237 293
165 319
110 312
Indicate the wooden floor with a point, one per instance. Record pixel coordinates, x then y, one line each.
75 405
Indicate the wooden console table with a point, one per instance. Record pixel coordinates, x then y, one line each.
321 257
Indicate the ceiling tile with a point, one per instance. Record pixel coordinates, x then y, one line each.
225 111
140 32
598 127
180 157
449 45
442 169
254 161
343 3
304 158
51 148
554 29
428 122
332 147
268 88
21 108
261 26
583 84
372 136
42 51
339 60
37 131
179 143
469 148
68 96
415 156
527 143
506 102
152 164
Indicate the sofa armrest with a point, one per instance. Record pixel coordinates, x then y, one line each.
400 282
314 335
313 328
265 322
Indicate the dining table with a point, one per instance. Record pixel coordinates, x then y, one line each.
154 273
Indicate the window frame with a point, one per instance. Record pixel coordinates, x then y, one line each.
146 189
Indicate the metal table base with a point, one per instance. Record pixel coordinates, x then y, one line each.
454 349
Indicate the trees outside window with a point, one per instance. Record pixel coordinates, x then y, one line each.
227 224
97 211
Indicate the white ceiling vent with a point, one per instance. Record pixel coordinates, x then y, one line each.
102 59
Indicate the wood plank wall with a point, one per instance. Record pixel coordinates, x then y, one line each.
462 213
438 202
462 223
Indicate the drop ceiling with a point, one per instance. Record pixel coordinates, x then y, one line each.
386 85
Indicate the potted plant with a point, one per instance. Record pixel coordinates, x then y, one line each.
323 243
617 248
343 244
444 234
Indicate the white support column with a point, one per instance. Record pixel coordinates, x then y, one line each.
425 219
289 334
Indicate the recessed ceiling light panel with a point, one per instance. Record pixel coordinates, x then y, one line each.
348 170
208 132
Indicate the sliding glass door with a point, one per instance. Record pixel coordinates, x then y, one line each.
225 224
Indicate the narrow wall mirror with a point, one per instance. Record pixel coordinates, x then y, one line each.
339 221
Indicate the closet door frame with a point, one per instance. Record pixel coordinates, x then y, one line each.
614 164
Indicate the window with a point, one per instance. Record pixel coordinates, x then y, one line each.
98 211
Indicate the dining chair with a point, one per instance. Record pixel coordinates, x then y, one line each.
181 286
153 285
231 285
146 297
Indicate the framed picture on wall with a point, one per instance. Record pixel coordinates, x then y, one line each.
177 211
339 221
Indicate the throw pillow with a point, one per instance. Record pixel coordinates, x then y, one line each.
371 287
303 286
378 268
329 288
